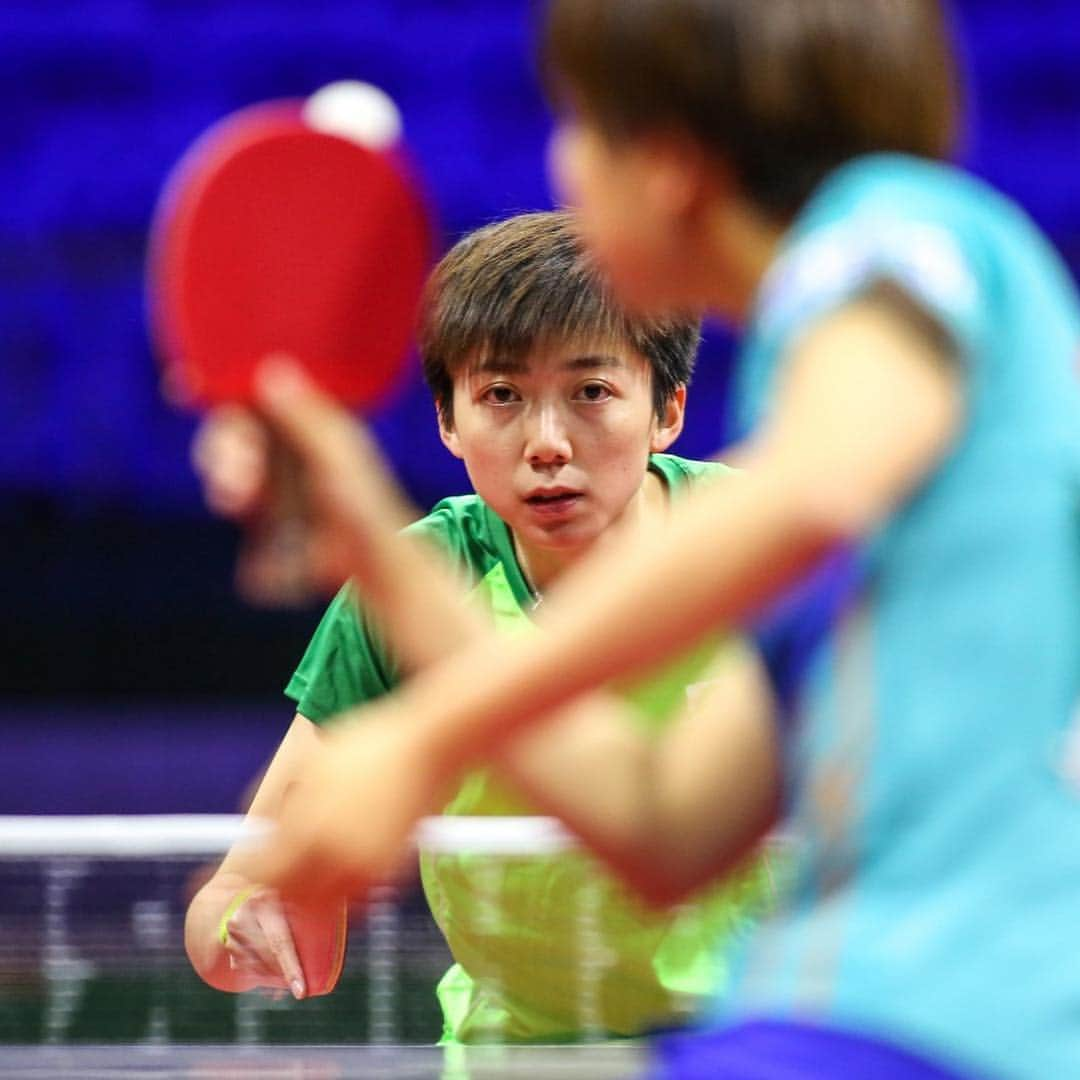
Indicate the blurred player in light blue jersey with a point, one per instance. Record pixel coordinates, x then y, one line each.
906 547
929 668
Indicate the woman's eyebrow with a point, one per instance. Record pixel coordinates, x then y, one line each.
501 365
593 360
506 365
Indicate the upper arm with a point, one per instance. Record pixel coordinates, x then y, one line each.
869 399
291 755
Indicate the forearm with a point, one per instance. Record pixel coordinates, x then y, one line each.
202 923
415 599
404 582
587 765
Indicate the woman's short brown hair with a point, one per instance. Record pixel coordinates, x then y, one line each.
784 90
521 283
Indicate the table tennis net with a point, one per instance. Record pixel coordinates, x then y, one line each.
91 937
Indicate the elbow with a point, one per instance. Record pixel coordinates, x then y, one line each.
204 951
672 871
199 954
662 887
828 516
661 893
662 874
817 520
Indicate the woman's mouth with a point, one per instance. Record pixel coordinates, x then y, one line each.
553 502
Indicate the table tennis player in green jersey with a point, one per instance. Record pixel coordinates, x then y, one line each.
561 408
520 980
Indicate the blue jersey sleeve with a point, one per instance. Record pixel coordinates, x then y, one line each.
885 221
888 221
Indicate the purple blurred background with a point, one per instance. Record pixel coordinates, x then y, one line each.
130 677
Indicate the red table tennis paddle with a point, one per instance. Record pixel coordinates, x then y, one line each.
279 233
320 934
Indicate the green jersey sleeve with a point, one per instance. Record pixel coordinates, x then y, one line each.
346 662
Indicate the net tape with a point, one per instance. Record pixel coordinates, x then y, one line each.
180 835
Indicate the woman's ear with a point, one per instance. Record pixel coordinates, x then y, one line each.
669 426
447 433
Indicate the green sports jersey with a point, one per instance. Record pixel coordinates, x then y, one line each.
514 927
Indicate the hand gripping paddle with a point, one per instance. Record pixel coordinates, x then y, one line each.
288 228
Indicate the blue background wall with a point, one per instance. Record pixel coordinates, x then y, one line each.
115 582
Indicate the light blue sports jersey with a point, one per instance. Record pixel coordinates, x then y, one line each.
930 675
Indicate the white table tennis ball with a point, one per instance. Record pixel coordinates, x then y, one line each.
357 111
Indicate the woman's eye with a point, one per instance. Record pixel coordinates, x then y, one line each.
594 392
500 395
